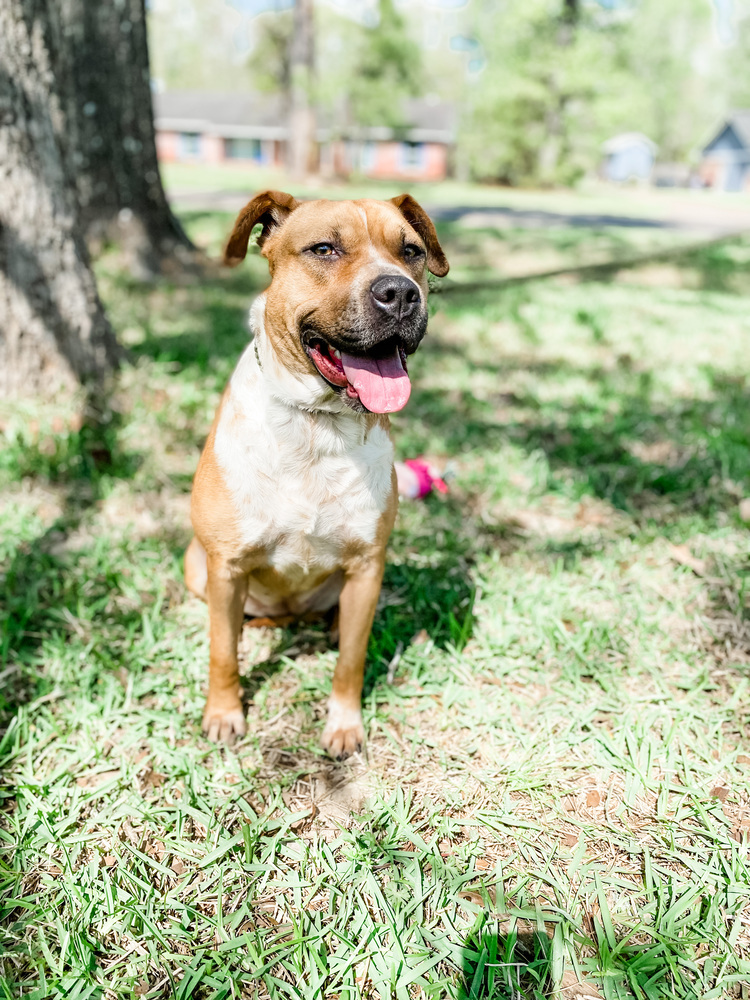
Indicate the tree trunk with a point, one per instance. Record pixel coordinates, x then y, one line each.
302 66
53 330
106 92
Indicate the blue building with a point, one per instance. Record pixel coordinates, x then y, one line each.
628 157
726 158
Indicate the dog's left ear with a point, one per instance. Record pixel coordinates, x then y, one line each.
419 220
270 209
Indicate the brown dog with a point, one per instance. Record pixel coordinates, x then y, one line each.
295 493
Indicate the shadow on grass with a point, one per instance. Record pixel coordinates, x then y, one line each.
210 323
721 267
436 599
42 585
526 218
625 445
718 265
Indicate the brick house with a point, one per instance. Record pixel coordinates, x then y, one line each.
212 128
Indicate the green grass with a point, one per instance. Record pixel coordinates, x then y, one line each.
557 783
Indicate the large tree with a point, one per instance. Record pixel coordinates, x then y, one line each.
102 69
53 330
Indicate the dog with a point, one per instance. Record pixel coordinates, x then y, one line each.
295 494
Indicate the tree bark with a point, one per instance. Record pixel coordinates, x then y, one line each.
302 69
104 77
53 330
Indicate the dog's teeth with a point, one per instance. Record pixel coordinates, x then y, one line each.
335 353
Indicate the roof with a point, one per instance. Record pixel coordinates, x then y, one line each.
262 116
237 116
626 140
739 122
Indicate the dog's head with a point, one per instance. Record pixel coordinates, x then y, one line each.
348 296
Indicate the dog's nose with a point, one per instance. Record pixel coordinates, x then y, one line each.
396 295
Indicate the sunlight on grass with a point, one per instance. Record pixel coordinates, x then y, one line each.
556 790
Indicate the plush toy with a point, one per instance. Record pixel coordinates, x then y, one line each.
416 478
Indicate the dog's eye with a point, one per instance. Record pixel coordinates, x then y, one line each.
323 250
411 250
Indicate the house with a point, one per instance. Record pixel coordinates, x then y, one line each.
197 127
627 157
725 162
213 128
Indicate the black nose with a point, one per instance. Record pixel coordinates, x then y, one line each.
396 295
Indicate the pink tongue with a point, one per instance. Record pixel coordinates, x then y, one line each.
382 384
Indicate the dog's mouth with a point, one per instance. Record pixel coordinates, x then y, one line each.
380 383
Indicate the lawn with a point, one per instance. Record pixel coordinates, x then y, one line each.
556 791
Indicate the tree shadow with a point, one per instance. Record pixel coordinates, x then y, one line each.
41 593
39 589
717 265
626 445
417 601
211 320
532 218
721 267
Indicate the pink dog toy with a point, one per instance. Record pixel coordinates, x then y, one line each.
416 478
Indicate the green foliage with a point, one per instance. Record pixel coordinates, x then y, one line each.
737 59
676 86
553 90
196 45
388 68
269 63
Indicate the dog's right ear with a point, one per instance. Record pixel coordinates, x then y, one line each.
270 209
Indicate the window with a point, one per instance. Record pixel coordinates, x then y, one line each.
189 145
367 157
243 149
412 155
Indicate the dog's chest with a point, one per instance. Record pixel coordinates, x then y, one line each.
305 488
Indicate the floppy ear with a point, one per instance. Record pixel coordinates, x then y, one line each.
270 208
419 220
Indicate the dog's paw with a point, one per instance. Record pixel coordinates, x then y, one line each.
224 725
344 733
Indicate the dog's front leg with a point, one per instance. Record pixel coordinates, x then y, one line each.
223 718
344 733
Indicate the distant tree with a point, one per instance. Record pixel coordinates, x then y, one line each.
737 60
283 62
269 62
200 44
102 72
387 69
561 76
678 75
367 69
545 62
555 145
54 332
301 81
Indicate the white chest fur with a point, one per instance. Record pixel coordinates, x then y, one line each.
305 482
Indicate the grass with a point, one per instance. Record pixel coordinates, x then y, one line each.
557 785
